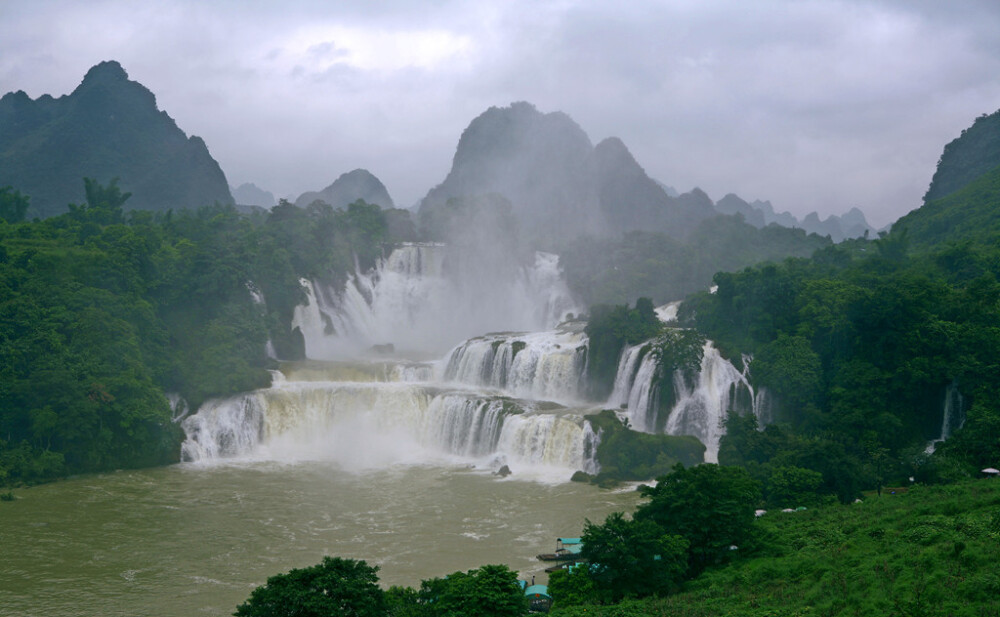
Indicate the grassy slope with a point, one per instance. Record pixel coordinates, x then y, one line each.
931 551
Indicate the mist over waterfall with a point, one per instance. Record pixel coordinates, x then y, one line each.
361 425
425 298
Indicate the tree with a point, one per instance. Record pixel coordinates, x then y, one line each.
13 205
711 507
488 591
343 587
633 558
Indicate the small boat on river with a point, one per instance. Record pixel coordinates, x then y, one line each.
567 549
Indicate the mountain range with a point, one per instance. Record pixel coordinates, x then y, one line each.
557 182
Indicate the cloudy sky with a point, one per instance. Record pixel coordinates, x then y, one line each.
814 104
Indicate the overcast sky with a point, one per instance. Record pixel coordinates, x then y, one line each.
814 104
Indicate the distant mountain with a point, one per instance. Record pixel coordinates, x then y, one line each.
108 127
971 155
760 214
249 194
557 182
732 204
348 188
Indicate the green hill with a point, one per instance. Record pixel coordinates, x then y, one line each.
108 127
975 152
971 213
928 551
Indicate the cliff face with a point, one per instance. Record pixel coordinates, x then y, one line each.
107 127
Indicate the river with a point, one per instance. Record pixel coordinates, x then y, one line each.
195 539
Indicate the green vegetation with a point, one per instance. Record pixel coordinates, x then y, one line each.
624 454
655 265
693 519
103 311
350 587
925 551
970 156
858 351
609 329
334 587
966 215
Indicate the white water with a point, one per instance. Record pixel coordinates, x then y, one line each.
413 300
701 406
481 406
952 416
701 400
539 365
377 423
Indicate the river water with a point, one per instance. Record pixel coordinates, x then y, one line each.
195 539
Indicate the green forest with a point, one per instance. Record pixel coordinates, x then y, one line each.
103 311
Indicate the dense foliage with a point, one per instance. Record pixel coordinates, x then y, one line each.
625 454
968 157
103 311
349 587
969 214
334 587
928 551
658 266
859 354
693 519
609 329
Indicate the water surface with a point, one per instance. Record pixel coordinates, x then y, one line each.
196 539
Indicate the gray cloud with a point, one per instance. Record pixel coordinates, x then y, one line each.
817 105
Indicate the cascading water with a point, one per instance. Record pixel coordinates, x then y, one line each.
489 402
701 406
415 302
701 400
375 423
952 415
538 365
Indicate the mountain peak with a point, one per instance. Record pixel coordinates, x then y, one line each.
107 71
348 188
108 127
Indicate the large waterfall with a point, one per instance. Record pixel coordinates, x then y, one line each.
513 398
414 301
495 401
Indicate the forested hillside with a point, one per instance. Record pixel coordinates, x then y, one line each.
871 350
654 265
102 312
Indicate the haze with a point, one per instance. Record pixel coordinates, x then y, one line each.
820 105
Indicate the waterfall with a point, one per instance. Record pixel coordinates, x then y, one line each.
701 406
540 365
413 300
701 400
952 415
364 424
